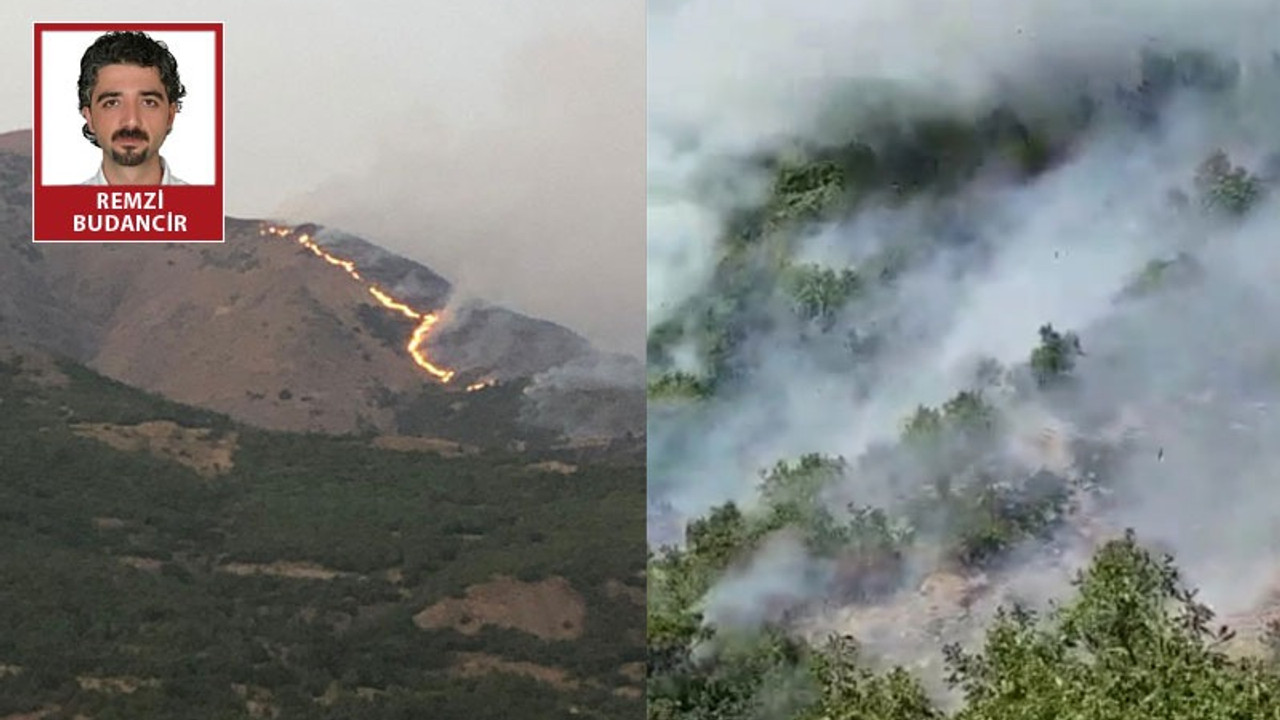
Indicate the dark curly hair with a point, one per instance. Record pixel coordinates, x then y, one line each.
127 48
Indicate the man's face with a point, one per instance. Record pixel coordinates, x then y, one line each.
129 113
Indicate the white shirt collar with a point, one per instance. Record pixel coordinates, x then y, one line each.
166 179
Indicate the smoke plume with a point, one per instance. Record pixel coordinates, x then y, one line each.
1194 368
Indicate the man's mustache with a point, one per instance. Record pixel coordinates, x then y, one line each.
130 134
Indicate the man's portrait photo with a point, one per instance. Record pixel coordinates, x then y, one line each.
130 93
145 113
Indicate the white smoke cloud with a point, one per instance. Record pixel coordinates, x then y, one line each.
680 231
741 72
515 169
779 575
736 78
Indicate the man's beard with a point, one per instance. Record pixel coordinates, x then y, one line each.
130 158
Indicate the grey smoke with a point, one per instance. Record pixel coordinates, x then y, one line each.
779 575
736 78
525 189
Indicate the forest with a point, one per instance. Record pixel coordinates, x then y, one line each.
118 598
861 259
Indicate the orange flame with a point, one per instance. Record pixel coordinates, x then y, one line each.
481 385
391 304
425 320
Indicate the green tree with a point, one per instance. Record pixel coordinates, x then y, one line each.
1162 273
1226 188
923 430
1055 357
851 691
800 484
803 192
947 442
717 538
985 520
679 385
819 292
736 678
1133 643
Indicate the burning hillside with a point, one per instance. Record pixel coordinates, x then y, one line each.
425 320
943 309
296 327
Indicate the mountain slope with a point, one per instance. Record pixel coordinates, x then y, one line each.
261 328
937 364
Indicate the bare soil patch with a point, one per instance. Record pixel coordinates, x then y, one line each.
554 466
406 443
194 447
635 672
141 563
17 142
282 568
473 664
34 715
1251 626
631 693
550 609
585 443
123 684
258 701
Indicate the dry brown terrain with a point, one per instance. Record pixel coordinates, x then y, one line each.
35 715
258 701
635 672
585 442
470 664
195 448
1252 626
141 563
280 568
403 443
17 142
258 328
123 684
553 466
473 664
550 609
631 693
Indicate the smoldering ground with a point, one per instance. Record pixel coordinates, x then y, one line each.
1190 374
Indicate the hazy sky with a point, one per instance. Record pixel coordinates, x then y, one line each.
500 143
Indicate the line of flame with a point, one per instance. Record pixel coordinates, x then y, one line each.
425 320
391 303
419 355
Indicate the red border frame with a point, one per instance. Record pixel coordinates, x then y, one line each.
37 133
